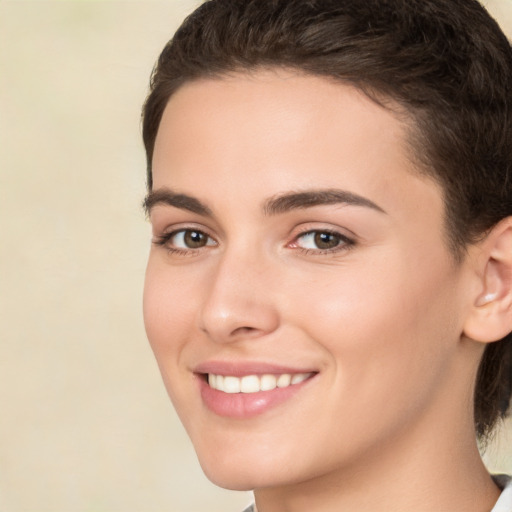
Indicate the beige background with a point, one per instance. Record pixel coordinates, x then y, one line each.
85 424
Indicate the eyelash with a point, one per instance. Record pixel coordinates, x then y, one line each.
344 242
163 241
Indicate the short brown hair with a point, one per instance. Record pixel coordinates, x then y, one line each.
445 62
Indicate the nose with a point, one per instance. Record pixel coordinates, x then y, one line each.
239 300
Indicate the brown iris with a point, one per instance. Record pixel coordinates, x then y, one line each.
325 240
195 239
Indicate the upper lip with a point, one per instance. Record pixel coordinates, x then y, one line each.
243 368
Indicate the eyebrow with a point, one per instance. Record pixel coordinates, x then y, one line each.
282 203
309 198
170 198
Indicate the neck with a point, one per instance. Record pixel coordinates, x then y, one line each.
427 488
425 478
428 466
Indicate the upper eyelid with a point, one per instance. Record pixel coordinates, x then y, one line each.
309 227
347 238
182 226
322 230
173 232
164 223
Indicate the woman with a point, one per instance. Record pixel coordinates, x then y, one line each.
329 289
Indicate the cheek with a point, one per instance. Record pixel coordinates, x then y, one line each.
389 332
167 319
166 312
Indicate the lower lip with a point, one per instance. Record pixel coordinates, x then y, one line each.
246 405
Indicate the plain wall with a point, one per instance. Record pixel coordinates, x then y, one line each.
85 423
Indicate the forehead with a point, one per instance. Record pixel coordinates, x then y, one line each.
279 130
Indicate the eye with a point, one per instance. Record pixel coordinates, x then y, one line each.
190 239
319 240
185 240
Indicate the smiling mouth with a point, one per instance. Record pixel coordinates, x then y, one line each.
254 383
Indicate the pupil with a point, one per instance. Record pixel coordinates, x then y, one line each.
326 240
194 239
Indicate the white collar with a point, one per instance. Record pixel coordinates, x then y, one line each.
504 503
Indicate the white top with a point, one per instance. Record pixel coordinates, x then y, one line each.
504 503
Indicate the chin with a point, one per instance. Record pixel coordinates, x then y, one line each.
234 478
245 475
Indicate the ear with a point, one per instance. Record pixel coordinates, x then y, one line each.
490 317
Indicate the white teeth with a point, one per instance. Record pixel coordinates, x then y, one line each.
231 385
250 384
284 380
254 383
299 377
268 382
219 382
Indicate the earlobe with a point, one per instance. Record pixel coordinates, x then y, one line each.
490 318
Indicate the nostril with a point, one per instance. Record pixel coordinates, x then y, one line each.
245 330
227 316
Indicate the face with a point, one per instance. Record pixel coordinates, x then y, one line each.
300 300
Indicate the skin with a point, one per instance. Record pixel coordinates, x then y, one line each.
386 423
